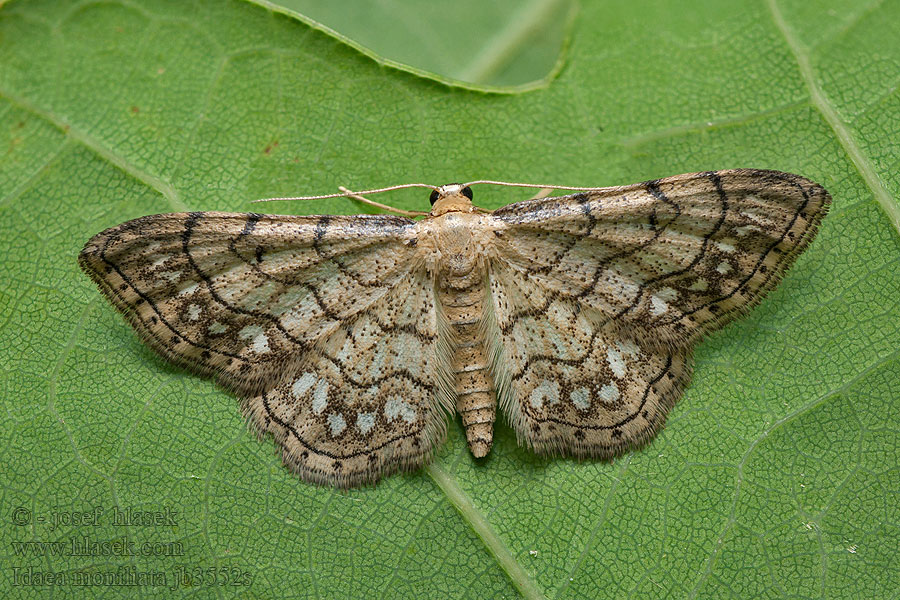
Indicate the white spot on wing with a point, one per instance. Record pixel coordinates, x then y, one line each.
187 291
616 362
667 294
724 267
259 343
347 351
365 422
293 321
724 247
397 407
760 219
581 398
745 229
336 423
658 306
700 285
755 216
547 390
320 397
609 392
193 312
302 385
216 328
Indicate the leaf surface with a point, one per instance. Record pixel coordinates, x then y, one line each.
504 45
777 474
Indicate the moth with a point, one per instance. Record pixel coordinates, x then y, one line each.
352 338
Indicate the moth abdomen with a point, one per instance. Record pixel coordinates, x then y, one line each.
473 384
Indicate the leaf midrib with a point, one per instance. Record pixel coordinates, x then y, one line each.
448 484
495 54
482 527
841 132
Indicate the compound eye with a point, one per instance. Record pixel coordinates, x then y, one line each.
467 192
433 197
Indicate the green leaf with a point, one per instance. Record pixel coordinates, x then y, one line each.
777 475
504 45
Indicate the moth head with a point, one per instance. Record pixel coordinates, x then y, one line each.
452 197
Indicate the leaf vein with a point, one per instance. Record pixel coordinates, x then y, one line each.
100 149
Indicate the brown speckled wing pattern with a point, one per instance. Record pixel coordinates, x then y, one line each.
351 338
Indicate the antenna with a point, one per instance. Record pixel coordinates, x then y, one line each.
399 211
348 193
345 193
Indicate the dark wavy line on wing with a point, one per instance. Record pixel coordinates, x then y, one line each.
627 419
